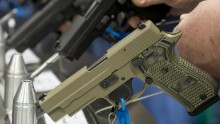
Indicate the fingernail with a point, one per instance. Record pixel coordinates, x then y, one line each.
143 1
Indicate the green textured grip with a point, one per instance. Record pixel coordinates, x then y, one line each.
189 85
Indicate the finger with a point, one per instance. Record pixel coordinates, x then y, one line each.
133 21
65 26
183 16
146 3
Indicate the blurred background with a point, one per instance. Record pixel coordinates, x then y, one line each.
160 109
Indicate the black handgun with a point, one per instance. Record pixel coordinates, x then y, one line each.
85 28
42 23
87 23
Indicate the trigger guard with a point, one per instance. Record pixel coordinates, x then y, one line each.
138 94
124 91
130 100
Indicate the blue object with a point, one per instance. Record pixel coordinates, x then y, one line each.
117 35
123 116
14 5
20 11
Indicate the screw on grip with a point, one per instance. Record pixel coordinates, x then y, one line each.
189 85
204 106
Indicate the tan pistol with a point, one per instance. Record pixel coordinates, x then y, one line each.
147 54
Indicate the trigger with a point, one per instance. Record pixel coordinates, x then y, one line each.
124 91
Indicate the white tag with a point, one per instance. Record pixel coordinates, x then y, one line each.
46 81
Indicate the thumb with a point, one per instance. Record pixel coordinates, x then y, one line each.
146 3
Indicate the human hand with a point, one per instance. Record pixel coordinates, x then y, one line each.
200 41
178 6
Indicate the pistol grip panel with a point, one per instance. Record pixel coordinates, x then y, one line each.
205 83
189 85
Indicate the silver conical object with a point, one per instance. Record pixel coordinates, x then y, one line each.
15 73
2 53
24 106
